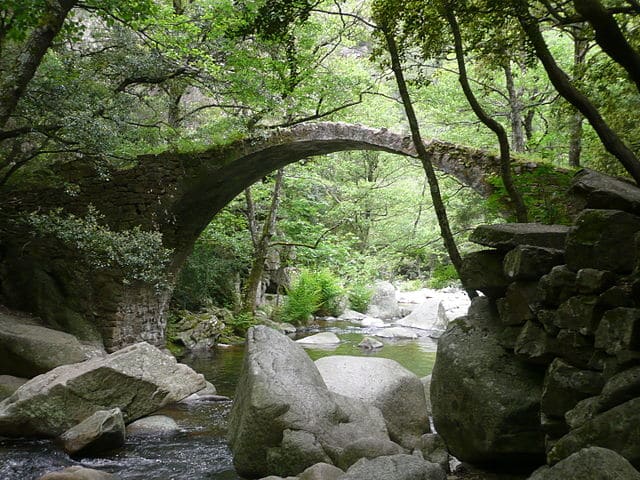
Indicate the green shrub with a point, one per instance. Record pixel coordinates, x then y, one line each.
443 276
359 297
313 293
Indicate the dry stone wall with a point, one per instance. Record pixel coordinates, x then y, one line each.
566 304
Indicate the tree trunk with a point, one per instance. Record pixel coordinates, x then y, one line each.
515 112
563 85
438 204
492 124
261 246
610 37
17 75
580 47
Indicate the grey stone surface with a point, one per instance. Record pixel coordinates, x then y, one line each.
598 238
383 303
580 313
506 236
590 280
426 316
535 345
557 286
101 432
593 463
483 271
78 473
564 386
280 389
384 383
619 330
322 338
28 349
396 332
620 388
519 304
603 191
138 379
153 425
396 467
321 471
617 429
525 262
369 447
485 401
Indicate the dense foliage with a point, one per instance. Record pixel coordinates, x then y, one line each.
112 80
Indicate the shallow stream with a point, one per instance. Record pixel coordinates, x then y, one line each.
199 451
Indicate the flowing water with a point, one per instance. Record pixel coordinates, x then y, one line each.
199 450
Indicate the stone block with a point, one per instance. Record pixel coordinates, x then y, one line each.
599 237
535 345
583 411
525 262
603 191
506 236
617 429
620 388
589 463
590 280
519 304
564 386
101 432
557 286
547 319
575 348
619 330
483 271
617 296
581 313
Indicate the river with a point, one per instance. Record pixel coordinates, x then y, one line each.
199 451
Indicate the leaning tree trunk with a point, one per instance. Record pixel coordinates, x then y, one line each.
580 47
492 124
434 187
563 85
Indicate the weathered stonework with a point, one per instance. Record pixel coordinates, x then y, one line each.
581 325
177 195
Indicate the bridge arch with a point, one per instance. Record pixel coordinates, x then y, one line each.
178 194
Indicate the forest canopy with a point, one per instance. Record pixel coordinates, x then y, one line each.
554 82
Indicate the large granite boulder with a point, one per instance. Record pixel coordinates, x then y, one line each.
429 315
384 303
101 432
28 349
384 383
592 463
486 402
284 418
138 379
396 467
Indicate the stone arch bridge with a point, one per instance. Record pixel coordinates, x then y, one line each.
177 194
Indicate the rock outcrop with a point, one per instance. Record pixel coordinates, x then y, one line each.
485 401
28 349
384 383
101 432
284 418
589 463
138 379
384 303
568 314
